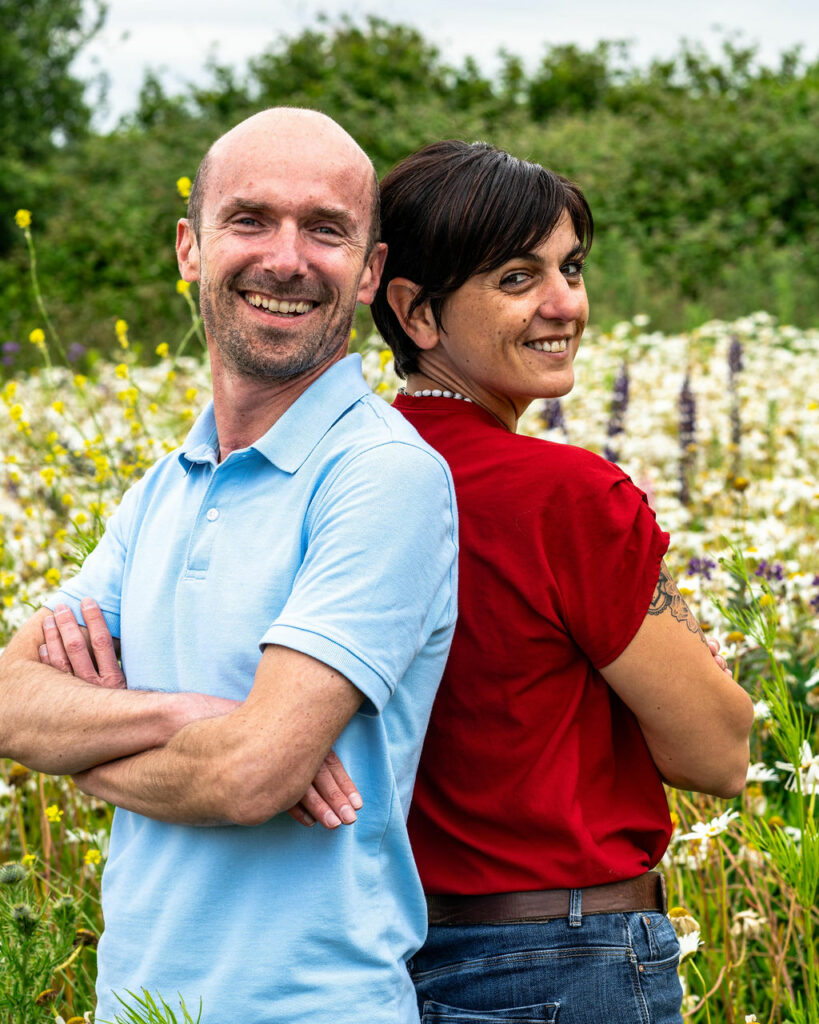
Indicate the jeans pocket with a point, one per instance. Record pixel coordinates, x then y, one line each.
662 942
439 1013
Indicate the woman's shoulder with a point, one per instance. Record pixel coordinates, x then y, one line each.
553 463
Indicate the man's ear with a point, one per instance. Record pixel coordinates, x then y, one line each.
187 251
419 324
371 276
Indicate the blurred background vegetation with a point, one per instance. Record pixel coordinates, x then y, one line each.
703 173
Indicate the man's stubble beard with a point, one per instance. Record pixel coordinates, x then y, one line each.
254 360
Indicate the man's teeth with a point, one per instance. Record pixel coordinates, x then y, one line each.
279 305
546 346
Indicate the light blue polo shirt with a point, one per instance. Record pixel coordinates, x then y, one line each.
335 535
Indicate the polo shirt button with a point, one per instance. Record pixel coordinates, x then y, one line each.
212 513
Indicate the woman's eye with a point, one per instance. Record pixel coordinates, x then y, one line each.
517 277
573 269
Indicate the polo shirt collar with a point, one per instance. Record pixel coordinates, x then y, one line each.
295 434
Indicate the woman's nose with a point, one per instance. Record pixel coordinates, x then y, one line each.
563 300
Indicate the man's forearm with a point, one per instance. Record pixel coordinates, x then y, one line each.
178 782
245 767
56 723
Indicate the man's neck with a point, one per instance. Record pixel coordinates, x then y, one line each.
246 408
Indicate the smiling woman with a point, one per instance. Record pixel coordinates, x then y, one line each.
539 808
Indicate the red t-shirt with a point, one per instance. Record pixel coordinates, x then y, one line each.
534 774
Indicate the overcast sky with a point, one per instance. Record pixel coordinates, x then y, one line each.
175 38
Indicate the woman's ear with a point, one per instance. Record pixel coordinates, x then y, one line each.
419 324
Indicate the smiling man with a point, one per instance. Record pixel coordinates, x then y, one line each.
257 579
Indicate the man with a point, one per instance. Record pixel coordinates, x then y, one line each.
301 517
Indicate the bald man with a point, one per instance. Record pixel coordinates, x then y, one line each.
281 584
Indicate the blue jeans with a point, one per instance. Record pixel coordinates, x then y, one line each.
619 968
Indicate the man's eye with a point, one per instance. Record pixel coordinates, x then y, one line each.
326 229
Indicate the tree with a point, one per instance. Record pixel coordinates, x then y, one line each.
42 105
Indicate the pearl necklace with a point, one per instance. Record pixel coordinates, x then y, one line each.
435 393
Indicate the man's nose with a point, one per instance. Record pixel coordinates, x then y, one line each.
284 255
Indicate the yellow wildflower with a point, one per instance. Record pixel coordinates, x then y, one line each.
16 411
80 518
190 394
8 600
80 381
92 857
53 813
121 329
171 376
37 337
184 186
121 370
28 859
162 350
23 219
183 287
52 577
384 357
48 475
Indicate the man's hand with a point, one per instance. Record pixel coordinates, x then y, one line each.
331 799
69 648
91 654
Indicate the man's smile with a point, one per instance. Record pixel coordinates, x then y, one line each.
286 307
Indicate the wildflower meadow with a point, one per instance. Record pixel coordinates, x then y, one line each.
719 426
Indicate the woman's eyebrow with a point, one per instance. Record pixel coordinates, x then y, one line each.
576 251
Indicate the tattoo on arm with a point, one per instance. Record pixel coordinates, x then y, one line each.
668 598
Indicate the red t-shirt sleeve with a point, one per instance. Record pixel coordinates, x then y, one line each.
608 567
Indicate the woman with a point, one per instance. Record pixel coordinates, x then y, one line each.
578 679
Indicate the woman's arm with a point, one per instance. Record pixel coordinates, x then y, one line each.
696 720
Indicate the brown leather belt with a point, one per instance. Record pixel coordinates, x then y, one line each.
646 892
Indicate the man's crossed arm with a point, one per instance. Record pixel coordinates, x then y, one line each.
178 757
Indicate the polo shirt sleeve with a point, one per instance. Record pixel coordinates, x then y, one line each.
379 574
608 562
102 571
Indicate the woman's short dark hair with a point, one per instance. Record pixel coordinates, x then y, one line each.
454 209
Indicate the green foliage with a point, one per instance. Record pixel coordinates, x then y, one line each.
41 103
703 173
39 943
145 1010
